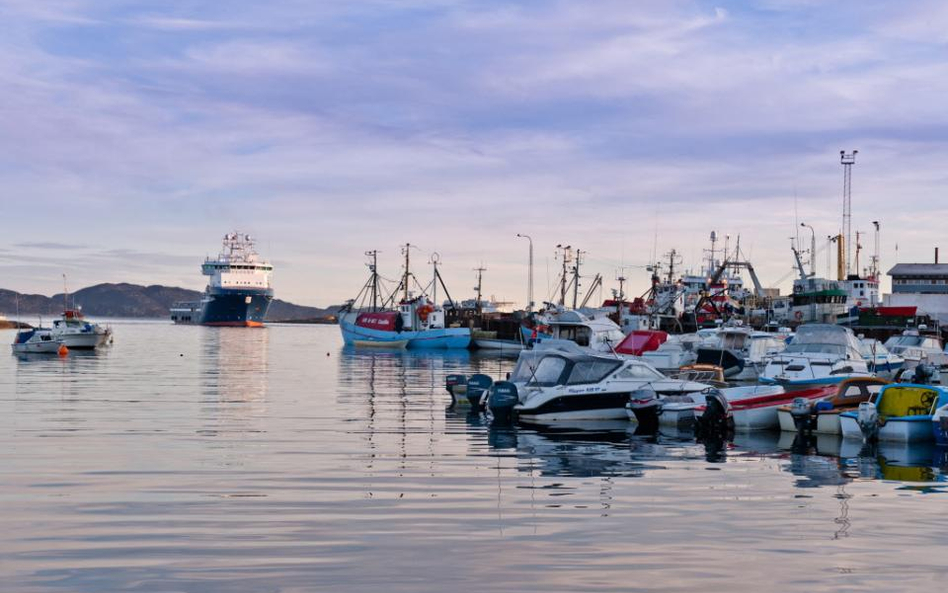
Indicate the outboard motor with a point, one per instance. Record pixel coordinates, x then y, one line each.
646 406
456 385
501 401
924 373
868 418
477 387
802 414
716 422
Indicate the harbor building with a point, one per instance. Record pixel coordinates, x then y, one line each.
921 285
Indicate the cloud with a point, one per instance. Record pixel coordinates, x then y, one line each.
332 128
51 245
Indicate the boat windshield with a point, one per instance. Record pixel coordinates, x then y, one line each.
543 371
872 348
591 371
837 349
904 341
733 340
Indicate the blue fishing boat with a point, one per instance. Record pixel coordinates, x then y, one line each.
416 322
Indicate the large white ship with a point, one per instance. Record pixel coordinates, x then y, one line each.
238 292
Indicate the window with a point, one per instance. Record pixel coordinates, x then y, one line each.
639 371
591 371
549 370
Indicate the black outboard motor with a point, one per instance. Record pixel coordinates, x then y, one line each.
716 422
501 401
477 387
923 374
646 406
456 385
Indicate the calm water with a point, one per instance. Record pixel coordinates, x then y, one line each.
201 459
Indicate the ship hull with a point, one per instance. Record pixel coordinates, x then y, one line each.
235 308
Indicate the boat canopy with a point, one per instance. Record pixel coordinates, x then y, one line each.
24 336
823 338
546 368
641 341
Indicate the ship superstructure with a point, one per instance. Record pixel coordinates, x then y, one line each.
238 291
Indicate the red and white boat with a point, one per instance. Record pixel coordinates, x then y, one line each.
755 408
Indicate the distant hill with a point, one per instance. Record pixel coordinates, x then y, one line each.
133 300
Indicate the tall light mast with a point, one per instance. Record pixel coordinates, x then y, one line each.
848 160
529 273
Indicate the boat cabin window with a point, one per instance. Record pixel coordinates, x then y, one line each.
639 371
733 341
576 333
591 371
545 371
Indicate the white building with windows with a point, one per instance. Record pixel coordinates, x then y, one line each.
924 286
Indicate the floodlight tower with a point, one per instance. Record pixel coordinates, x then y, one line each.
848 160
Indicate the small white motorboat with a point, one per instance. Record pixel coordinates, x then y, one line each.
819 354
559 384
76 333
37 341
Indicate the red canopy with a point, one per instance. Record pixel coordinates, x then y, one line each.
641 341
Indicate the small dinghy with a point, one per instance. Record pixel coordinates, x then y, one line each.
902 412
823 417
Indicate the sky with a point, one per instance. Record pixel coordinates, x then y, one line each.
133 135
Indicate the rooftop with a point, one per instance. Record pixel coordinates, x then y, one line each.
919 270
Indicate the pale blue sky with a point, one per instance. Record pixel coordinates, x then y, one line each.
134 134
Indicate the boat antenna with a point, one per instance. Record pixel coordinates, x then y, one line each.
65 295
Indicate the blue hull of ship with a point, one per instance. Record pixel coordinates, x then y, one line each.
429 339
236 307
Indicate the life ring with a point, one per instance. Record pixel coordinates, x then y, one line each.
424 311
798 315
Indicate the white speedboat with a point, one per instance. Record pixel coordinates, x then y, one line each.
78 334
882 363
594 333
741 352
752 407
37 340
819 354
915 347
558 384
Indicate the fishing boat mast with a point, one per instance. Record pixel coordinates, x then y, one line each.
579 259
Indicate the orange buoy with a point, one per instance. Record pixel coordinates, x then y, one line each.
63 351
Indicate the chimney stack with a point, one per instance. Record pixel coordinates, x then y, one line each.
936 255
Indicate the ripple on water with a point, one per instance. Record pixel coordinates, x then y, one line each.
201 459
